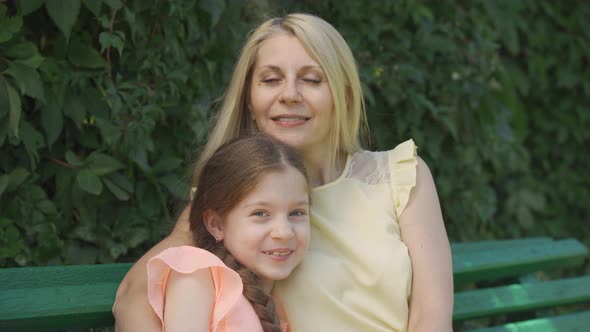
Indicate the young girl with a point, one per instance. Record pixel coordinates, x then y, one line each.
250 221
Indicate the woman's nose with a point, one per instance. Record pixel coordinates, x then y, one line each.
290 93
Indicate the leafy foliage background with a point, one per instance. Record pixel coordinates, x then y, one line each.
104 104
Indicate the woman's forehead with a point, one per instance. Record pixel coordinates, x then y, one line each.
284 50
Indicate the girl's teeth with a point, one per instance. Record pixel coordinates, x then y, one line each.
278 253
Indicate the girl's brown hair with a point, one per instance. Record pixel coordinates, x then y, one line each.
232 172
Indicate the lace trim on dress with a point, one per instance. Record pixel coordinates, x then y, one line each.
369 167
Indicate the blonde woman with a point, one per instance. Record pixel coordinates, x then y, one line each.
379 257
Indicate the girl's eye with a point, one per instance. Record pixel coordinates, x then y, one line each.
298 213
260 214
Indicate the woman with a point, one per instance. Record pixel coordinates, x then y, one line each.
379 257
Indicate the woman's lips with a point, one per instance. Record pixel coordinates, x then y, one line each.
289 120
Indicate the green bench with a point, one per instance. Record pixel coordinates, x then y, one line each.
492 279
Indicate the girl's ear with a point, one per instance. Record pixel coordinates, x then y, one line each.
214 224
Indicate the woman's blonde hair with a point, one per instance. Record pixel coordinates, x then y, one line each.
327 47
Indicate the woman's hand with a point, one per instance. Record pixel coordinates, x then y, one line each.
132 310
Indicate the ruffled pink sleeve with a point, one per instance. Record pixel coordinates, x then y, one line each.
187 259
402 167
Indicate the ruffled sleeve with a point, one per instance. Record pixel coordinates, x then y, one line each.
402 167
187 259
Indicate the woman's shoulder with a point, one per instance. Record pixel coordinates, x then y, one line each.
373 167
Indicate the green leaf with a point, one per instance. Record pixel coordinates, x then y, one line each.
135 237
116 40
72 159
47 207
28 80
28 6
101 164
114 4
74 109
14 106
175 186
3 183
122 181
16 178
4 130
214 8
76 254
10 25
52 122
89 182
33 141
21 51
94 6
83 55
64 14
110 133
121 194
166 164
4 101
117 249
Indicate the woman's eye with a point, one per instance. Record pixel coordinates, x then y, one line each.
312 80
270 80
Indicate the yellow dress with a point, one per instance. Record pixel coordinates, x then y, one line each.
357 274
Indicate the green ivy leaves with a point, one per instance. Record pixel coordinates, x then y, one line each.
104 103
64 14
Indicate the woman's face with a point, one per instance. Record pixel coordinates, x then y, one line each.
290 98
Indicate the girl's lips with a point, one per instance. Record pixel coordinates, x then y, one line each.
279 254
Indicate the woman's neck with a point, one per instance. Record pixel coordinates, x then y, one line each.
320 169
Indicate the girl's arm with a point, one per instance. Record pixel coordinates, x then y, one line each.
189 301
132 310
423 232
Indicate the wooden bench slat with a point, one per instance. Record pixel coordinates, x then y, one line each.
514 261
60 275
55 308
520 297
457 248
58 297
576 322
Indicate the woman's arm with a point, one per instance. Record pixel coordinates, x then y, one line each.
189 301
423 232
132 310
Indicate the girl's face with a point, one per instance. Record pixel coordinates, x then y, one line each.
290 98
268 231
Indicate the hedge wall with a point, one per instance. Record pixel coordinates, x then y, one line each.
104 104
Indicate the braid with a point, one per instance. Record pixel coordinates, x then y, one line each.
261 302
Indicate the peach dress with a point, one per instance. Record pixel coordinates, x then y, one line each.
231 311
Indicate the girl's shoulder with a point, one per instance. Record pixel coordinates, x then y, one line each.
186 259
227 283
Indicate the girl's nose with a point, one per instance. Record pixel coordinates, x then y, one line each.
282 229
